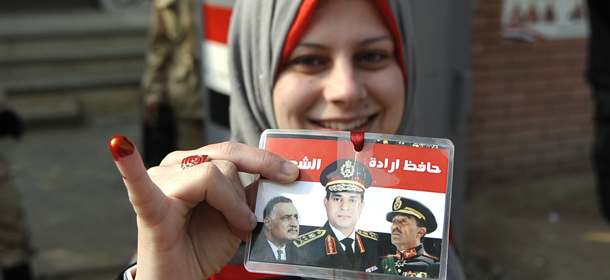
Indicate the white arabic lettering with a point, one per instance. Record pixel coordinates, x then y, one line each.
408 166
314 164
373 162
422 167
395 166
433 169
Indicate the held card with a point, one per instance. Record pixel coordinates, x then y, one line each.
365 205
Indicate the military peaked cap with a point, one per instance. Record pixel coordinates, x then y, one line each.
405 206
346 175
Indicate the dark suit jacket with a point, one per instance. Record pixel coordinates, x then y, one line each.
261 252
322 248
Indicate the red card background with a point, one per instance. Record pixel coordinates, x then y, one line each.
330 150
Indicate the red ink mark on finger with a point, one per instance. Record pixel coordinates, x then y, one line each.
121 146
358 140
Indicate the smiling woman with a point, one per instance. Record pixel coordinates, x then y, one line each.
343 74
317 64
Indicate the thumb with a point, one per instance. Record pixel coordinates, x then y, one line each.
149 202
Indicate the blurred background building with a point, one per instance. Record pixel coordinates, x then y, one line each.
532 105
72 70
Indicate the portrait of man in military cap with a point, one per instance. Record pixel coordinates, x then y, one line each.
411 221
280 229
338 244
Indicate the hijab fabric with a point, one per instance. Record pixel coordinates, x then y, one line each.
257 36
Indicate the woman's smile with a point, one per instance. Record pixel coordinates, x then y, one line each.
343 74
352 125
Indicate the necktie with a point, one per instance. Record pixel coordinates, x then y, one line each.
279 255
348 249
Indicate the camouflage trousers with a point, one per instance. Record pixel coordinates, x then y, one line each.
14 233
191 134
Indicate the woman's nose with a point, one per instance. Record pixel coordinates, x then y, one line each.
343 87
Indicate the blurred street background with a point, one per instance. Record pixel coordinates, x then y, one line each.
72 71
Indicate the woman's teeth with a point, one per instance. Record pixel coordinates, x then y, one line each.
343 125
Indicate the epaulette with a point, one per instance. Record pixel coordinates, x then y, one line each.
368 234
431 257
308 237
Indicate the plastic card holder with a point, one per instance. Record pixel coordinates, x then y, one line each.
378 213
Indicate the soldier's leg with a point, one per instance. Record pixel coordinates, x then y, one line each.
601 150
15 250
190 134
18 272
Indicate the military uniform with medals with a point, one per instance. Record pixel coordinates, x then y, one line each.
321 247
414 262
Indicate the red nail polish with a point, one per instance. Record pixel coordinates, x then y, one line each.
120 146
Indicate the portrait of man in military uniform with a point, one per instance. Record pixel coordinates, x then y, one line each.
280 229
411 221
338 244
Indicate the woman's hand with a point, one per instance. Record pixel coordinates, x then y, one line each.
191 222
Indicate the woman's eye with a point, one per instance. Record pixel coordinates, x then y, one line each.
373 60
308 63
372 57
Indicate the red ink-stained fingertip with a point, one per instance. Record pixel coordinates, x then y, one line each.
120 146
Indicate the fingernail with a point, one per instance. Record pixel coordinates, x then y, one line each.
289 168
120 146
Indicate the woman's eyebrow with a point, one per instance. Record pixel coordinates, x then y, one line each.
311 46
323 47
374 40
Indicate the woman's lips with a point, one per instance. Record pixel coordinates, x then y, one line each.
340 125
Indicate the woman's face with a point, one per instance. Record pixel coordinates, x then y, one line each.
343 73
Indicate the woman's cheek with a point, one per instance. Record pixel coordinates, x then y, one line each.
283 102
294 95
391 93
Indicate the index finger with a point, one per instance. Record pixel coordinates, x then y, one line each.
246 159
147 199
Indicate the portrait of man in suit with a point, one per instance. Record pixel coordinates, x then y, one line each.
280 229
